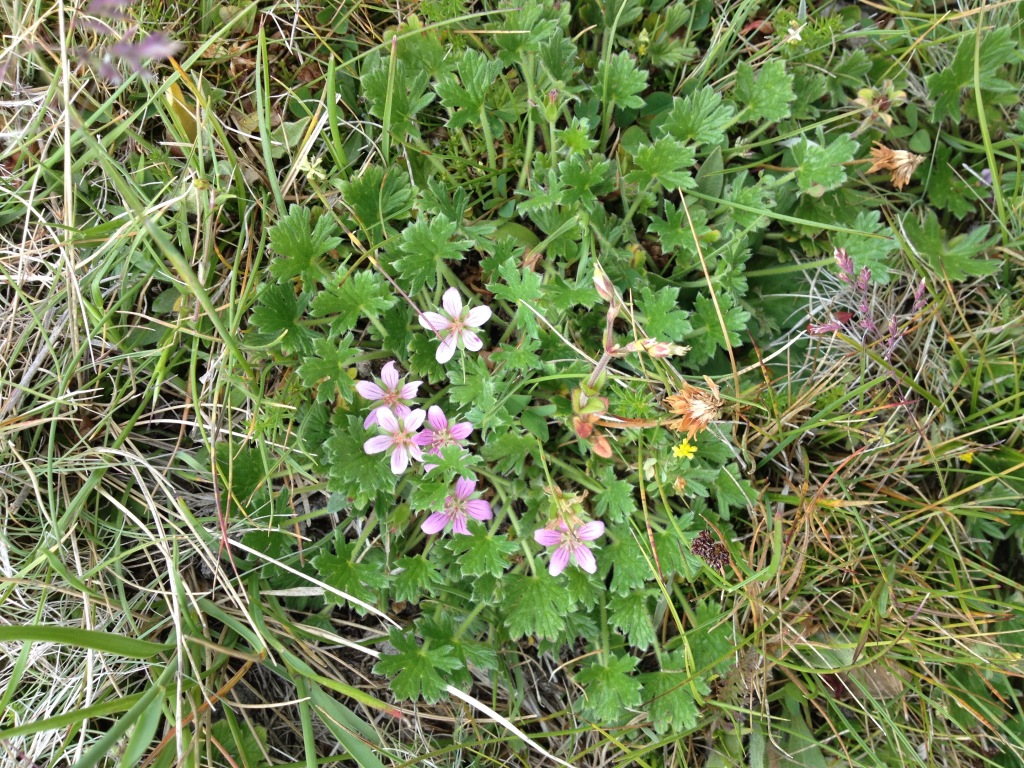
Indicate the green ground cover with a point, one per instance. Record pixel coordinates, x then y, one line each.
627 383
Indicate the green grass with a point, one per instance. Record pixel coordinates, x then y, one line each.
199 565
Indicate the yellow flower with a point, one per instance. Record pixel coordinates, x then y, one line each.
685 450
967 457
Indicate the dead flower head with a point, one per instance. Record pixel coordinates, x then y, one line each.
900 164
695 407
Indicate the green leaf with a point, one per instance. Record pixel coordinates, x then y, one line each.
997 48
348 298
732 491
820 168
584 179
467 101
417 576
955 259
666 161
327 369
520 286
710 640
299 246
509 451
364 579
351 471
630 615
482 553
117 645
707 336
408 95
630 569
669 695
278 319
610 690
621 81
442 630
662 317
426 245
416 671
375 200
766 97
946 186
700 118
535 606
618 499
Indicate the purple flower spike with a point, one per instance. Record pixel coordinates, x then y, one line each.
456 508
441 434
393 394
399 438
569 543
454 325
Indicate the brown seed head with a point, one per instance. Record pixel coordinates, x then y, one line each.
695 407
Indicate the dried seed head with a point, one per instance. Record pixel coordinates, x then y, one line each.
900 164
695 407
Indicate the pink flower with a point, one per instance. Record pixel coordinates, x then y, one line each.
570 544
400 437
442 435
453 326
394 394
456 508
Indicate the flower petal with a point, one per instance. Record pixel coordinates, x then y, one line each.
452 303
377 444
389 375
409 390
559 560
446 349
477 316
434 322
547 537
459 525
464 488
386 419
401 411
371 419
370 390
436 523
585 558
479 509
460 431
437 418
590 531
424 438
399 460
415 452
472 341
414 420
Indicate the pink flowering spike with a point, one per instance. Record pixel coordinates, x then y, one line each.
591 531
453 326
559 560
585 558
436 523
547 537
